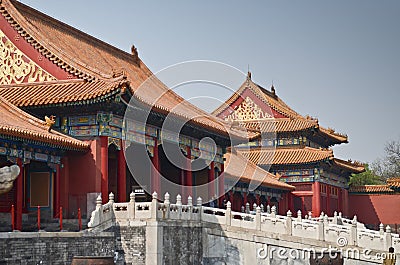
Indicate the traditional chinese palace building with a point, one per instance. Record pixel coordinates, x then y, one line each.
49 69
292 146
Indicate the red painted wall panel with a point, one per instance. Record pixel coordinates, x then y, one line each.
84 177
375 209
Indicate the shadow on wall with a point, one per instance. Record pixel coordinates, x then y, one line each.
374 209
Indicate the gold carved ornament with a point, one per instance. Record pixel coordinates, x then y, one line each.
16 68
246 111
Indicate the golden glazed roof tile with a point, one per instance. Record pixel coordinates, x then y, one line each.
238 167
34 94
286 156
16 123
371 189
393 182
354 167
280 125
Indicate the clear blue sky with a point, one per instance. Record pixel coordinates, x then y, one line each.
338 61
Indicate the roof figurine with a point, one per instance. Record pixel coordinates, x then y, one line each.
50 121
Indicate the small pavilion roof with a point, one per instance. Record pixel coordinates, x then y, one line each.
17 124
238 167
293 121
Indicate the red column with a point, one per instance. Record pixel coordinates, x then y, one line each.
269 200
316 201
257 199
188 173
211 178
328 200
244 199
64 175
155 169
231 197
121 177
290 202
221 187
346 203
57 196
282 205
339 200
104 167
19 195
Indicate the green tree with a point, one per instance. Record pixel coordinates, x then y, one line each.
368 177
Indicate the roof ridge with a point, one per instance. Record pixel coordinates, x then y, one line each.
77 67
70 28
265 92
19 19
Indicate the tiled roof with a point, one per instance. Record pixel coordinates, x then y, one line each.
280 125
393 183
392 186
371 189
286 156
329 132
89 58
18 124
237 166
354 167
274 102
32 94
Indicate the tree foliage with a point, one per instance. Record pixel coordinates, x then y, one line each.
389 165
382 168
368 177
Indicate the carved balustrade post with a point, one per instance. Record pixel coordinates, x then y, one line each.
289 223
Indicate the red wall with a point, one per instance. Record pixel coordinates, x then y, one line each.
375 208
84 177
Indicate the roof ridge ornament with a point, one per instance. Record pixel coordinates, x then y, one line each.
135 55
273 89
